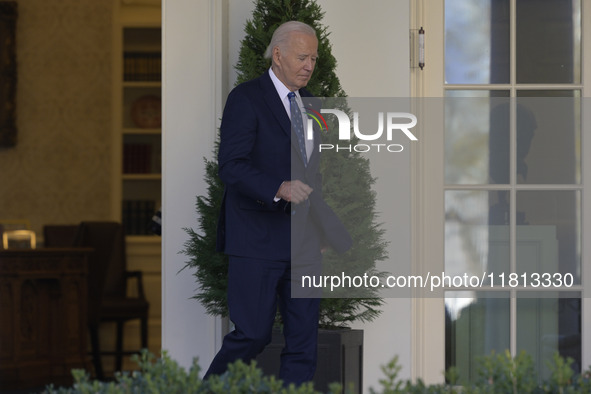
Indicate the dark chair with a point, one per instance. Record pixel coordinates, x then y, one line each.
107 285
60 235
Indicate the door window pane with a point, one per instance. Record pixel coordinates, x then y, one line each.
476 324
548 137
477 139
548 41
546 326
476 41
513 176
549 233
476 232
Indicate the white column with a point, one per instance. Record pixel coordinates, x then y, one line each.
192 50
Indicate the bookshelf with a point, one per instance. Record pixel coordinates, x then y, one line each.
136 156
138 94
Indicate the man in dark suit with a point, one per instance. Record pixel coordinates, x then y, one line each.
273 215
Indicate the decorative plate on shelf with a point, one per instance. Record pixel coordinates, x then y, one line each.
146 112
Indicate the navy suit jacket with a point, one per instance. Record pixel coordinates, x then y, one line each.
257 152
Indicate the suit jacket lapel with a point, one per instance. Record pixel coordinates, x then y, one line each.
274 103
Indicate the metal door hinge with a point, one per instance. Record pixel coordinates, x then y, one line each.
417 48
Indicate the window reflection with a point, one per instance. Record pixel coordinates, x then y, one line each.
547 137
476 324
476 41
550 238
476 232
557 136
477 140
544 137
548 41
546 326
500 135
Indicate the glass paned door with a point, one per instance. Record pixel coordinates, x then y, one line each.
513 179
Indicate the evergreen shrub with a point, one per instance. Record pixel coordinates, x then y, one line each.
497 374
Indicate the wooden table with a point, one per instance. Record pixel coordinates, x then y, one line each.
43 321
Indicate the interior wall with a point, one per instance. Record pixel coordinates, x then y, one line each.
60 169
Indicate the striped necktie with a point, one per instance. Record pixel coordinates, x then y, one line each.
297 124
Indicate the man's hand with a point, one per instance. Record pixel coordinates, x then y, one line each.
294 191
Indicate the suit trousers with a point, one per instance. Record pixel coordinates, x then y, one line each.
256 288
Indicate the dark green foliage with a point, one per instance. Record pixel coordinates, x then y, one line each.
499 374
496 374
506 374
347 181
165 376
211 266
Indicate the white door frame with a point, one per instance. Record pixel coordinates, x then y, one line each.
428 342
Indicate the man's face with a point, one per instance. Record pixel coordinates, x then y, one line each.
294 64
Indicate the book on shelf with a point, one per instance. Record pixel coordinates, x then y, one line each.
142 66
137 158
137 216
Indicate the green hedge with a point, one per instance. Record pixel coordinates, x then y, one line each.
497 373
